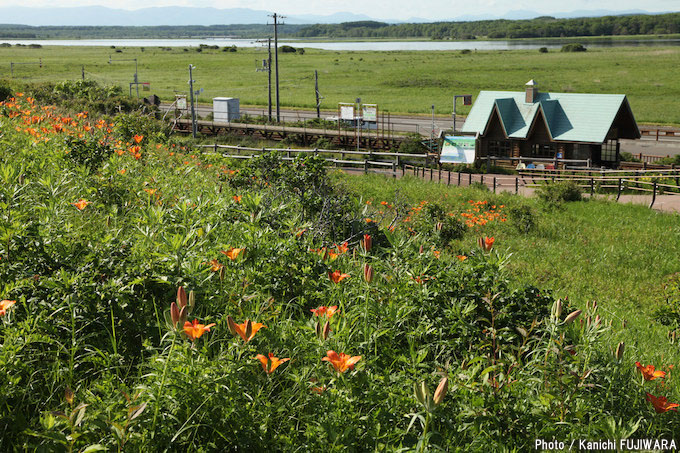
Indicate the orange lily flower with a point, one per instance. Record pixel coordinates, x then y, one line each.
341 362
232 253
81 204
195 330
343 248
461 257
4 306
485 243
272 361
246 331
661 404
337 276
138 138
215 265
649 373
325 311
237 198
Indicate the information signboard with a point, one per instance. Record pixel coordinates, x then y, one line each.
369 112
458 150
346 111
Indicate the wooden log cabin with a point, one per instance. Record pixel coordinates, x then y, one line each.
552 128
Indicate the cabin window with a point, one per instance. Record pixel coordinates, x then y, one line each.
543 150
609 151
500 148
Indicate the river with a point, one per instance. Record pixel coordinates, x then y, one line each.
350 45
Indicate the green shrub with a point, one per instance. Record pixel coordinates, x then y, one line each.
560 192
91 154
5 92
543 50
523 218
573 47
287 49
628 157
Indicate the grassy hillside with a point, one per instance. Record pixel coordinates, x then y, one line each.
406 82
155 298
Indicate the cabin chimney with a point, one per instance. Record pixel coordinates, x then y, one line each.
531 92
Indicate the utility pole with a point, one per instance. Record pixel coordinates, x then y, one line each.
276 62
269 75
432 133
316 90
191 97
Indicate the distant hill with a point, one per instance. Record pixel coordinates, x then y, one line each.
176 15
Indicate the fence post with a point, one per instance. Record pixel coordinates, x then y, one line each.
494 184
481 178
215 148
431 170
448 182
516 185
458 178
394 169
365 166
618 194
653 195
469 179
592 187
440 173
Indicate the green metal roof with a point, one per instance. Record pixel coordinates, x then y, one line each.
571 117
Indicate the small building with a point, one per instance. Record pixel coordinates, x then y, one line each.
564 128
226 109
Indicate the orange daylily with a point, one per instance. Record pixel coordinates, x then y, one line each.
138 138
649 372
661 404
271 363
325 311
237 198
81 204
341 362
195 330
232 253
461 257
4 306
337 276
246 331
485 243
215 265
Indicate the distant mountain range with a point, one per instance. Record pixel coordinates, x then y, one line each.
177 15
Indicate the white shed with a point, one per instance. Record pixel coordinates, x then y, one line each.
226 109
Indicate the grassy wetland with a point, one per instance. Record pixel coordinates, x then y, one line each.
399 81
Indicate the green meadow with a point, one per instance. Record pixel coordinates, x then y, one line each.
398 81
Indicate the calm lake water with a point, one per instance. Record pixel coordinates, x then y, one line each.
382 45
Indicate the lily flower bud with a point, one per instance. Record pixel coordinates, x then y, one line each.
442 388
619 350
181 297
368 273
572 316
326 330
174 314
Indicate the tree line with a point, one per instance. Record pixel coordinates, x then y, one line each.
540 27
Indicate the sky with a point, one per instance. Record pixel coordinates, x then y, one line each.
378 9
